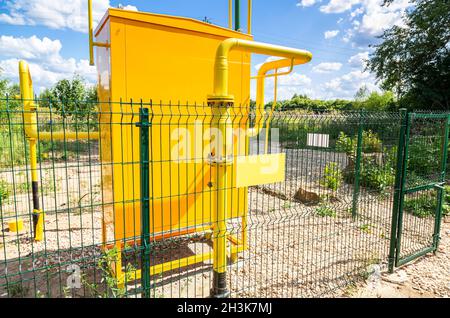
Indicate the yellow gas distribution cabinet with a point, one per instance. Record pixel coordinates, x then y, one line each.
169 62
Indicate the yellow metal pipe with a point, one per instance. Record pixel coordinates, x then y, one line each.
220 102
230 14
176 264
31 132
29 107
249 17
260 87
266 144
221 62
91 36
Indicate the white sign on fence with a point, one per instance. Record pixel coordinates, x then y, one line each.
318 140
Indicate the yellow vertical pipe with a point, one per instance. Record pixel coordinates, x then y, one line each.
230 14
266 144
38 215
30 123
249 17
91 37
220 166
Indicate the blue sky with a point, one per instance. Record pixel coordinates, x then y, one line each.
51 36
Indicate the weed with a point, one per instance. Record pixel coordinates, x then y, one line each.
286 205
325 210
422 205
332 178
17 290
366 228
108 276
5 190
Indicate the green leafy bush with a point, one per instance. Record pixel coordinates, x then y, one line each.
325 210
5 190
370 143
424 154
332 178
376 177
377 172
345 144
422 206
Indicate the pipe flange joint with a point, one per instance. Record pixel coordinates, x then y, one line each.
220 101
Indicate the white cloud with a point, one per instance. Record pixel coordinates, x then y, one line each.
345 86
288 85
370 18
128 7
331 34
358 60
306 3
338 6
327 67
71 14
29 48
47 66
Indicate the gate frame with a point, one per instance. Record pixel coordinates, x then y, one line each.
395 260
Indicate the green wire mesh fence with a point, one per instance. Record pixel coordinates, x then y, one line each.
321 229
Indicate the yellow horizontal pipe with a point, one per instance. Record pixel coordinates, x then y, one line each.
101 44
61 135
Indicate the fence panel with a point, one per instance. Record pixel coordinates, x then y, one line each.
319 229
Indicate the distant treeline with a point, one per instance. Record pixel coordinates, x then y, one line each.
364 99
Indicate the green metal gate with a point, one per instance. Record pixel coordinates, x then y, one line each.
419 186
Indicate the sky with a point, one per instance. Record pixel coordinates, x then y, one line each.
52 36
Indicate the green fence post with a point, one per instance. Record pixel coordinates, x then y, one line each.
441 196
398 187
144 125
358 165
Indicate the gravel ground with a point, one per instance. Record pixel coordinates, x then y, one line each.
292 250
428 276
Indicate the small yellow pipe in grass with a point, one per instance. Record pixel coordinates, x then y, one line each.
175 265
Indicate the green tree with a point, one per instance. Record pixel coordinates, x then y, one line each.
71 97
7 93
414 60
362 94
377 101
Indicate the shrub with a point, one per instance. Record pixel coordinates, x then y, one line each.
325 210
423 155
422 206
332 178
370 143
376 177
5 190
345 144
